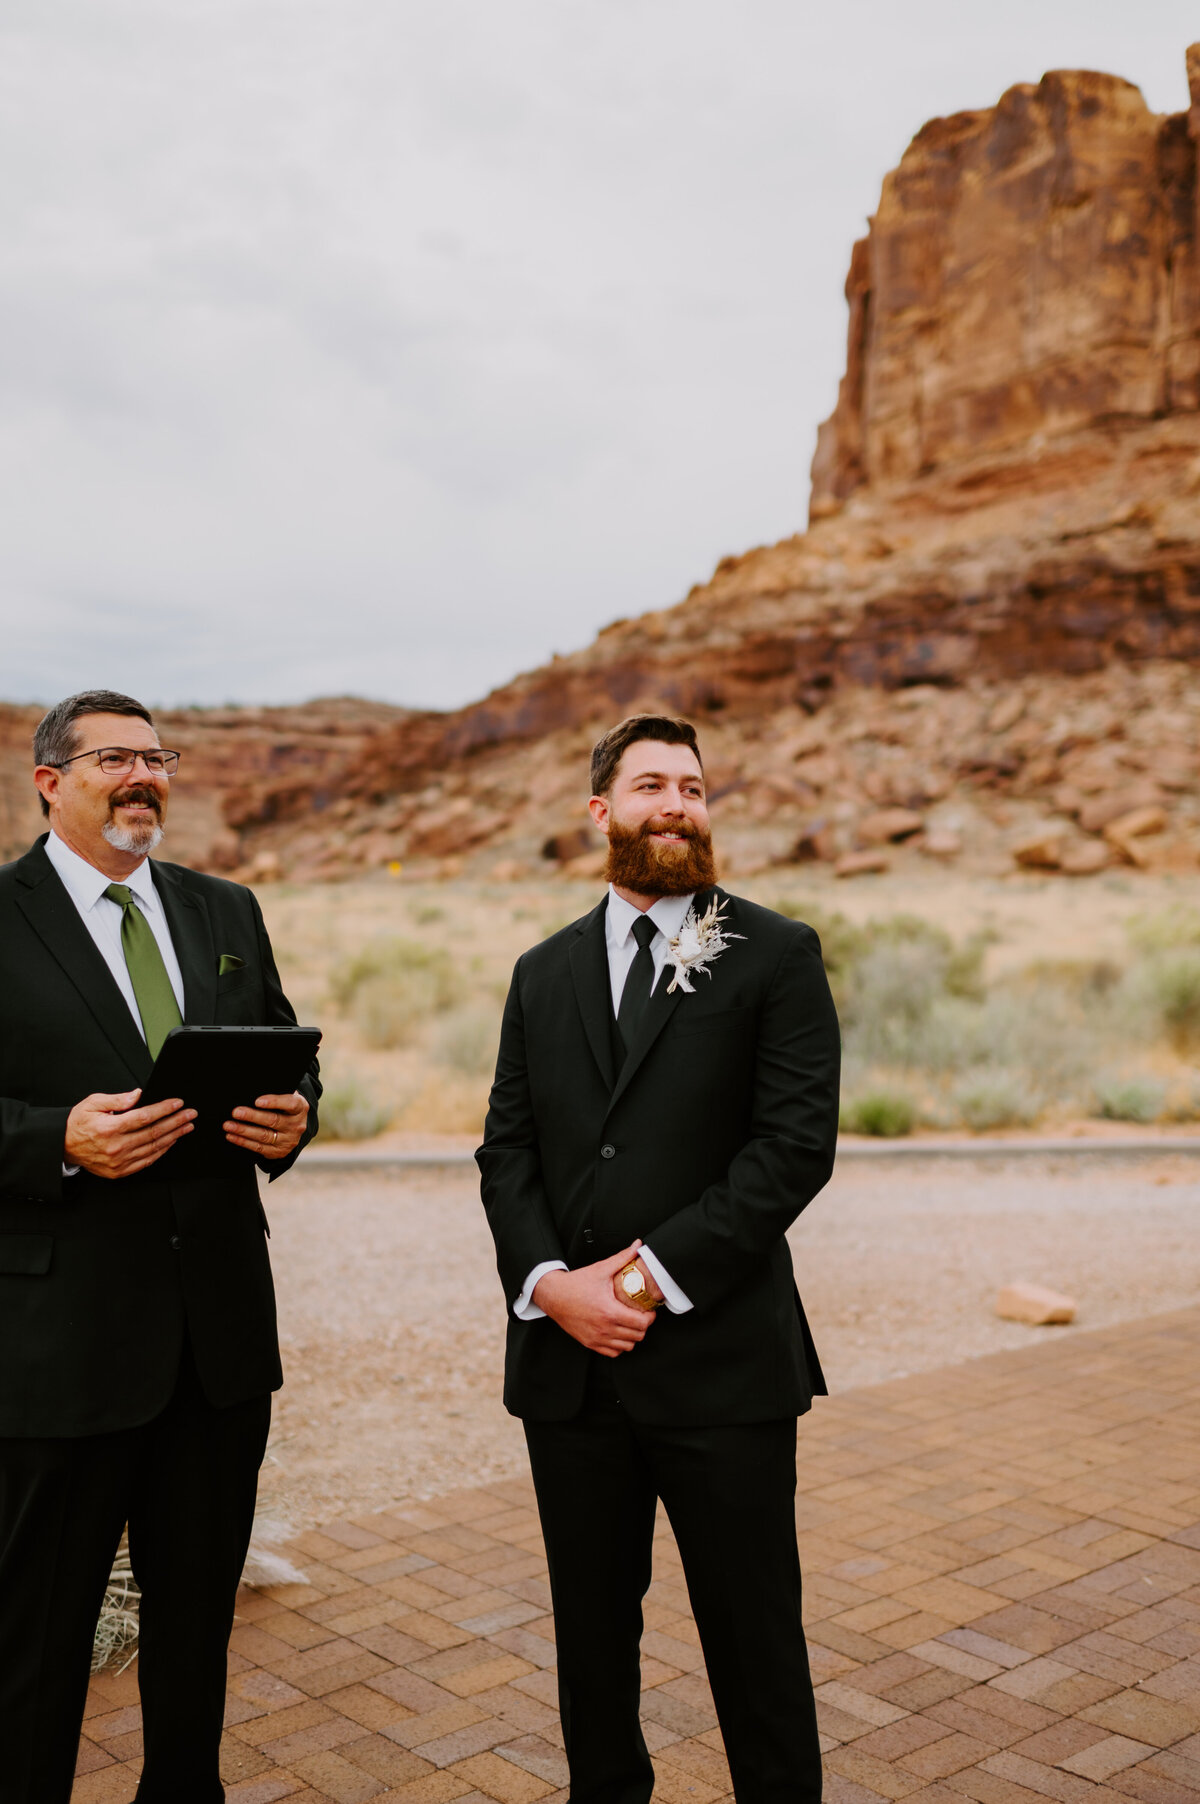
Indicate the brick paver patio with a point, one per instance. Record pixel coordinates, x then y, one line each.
1002 1567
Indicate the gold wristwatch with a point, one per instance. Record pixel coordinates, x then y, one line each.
633 1287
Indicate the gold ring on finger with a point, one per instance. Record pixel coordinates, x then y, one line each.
274 1136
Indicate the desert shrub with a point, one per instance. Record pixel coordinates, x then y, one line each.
1165 930
466 1041
883 1113
1171 980
888 997
955 1034
392 987
1089 981
841 941
961 966
429 914
1129 1098
994 1098
1182 1099
350 1110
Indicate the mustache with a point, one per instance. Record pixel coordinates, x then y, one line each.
684 828
140 793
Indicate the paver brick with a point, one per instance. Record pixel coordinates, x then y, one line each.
1145 1718
499 1778
1002 1590
1104 1758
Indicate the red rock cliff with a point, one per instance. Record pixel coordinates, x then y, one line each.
1005 525
1031 271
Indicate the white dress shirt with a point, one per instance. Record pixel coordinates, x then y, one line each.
86 886
668 916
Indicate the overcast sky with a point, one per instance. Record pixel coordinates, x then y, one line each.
389 346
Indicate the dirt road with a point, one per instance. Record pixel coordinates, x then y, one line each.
393 1323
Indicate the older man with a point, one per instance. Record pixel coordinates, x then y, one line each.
138 1348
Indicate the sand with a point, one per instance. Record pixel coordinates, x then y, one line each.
392 1318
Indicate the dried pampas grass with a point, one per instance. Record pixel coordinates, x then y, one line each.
117 1628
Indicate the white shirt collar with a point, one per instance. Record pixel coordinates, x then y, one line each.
87 884
667 914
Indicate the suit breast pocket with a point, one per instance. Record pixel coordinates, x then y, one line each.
26 1255
238 999
731 1021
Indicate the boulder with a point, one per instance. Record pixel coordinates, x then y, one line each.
890 825
571 842
1043 852
818 769
1135 825
815 843
1084 857
1068 799
861 864
941 842
1095 815
1031 1303
587 866
266 867
1006 712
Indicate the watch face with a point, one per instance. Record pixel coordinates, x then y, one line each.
631 1283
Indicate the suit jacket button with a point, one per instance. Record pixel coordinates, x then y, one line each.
608 1151
588 1237
175 1243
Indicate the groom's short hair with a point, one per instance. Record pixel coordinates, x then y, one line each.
608 751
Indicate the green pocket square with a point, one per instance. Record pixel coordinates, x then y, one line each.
229 961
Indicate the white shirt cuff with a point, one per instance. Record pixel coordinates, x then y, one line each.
70 1171
674 1298
525 1309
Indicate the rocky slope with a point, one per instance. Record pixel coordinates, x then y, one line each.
991 628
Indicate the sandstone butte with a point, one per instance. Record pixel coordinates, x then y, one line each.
989 632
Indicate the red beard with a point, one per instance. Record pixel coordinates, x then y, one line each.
651 867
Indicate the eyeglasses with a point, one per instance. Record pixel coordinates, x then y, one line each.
119 760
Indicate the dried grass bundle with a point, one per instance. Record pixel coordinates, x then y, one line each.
117 1628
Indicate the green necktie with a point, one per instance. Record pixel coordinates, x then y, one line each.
147 973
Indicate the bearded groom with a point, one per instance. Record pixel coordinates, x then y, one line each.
664 1106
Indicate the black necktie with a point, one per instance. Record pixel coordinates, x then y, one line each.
635 997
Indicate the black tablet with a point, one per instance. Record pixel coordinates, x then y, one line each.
217 1069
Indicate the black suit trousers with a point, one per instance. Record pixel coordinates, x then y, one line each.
729 1492
185 1483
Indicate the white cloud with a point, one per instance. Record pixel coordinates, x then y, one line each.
367 345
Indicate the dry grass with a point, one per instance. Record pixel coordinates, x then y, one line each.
983 1005
116 1638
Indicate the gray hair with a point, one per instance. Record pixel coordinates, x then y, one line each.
55 738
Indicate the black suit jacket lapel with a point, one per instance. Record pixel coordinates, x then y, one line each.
54 917
662 1006
191 936
593 990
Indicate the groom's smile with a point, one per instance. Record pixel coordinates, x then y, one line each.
656 818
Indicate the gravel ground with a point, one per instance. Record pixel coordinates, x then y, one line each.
392 1318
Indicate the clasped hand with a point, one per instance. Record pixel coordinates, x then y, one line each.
587 1305
111 1137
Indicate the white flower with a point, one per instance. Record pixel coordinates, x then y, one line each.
700 939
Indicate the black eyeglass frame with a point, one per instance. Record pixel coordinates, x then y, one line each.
131 755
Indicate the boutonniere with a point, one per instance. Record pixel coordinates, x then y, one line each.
700 940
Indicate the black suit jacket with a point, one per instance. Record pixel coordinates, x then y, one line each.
99 1277
718 1130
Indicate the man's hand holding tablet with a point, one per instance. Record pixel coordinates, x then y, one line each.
272 1129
